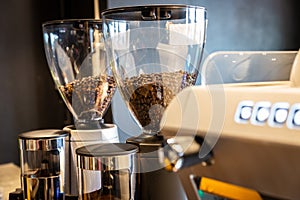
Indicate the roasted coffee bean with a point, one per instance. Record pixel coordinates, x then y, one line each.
149 94
90 96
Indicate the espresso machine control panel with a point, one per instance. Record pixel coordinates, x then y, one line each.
277 115
253 130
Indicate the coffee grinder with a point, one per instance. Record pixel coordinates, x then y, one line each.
77 60
155 52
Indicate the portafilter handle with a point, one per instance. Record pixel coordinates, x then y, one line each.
184 151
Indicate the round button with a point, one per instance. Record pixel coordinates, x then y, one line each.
246 112
262 114
280 115
296 119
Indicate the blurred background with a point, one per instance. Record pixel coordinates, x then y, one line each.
29 99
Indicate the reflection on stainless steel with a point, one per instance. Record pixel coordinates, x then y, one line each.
43 164
107 171
183 151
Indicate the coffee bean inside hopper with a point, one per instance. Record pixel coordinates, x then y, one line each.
149 94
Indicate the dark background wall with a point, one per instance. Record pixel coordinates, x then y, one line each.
244 24
28 98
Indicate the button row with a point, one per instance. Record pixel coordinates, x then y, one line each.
263 112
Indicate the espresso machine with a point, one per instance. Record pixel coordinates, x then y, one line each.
251 128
